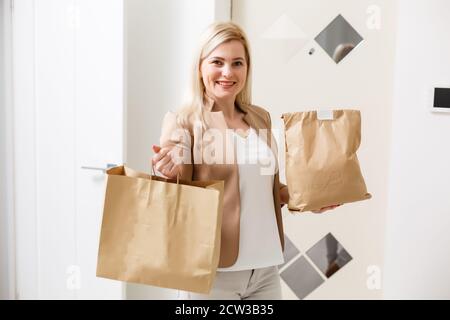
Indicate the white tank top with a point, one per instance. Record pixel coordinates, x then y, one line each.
259 242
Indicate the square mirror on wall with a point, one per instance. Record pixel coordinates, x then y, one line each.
338 38
329 255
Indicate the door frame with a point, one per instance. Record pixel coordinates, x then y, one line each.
7 227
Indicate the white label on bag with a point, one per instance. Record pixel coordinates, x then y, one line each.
325 114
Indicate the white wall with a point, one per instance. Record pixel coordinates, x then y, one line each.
417 260
293 80
160 39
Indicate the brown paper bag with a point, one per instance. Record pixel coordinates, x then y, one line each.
159 232
322 168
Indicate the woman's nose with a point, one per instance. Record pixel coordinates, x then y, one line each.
226 71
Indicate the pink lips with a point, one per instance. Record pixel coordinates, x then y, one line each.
225 84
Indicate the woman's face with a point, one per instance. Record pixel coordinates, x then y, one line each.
224 70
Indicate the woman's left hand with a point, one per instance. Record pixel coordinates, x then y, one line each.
326 208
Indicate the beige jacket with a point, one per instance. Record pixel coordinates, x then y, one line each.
195 167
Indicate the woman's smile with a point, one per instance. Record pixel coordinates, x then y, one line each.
226 84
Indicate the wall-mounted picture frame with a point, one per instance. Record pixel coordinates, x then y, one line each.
439 98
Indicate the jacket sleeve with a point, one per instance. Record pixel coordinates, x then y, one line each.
180 140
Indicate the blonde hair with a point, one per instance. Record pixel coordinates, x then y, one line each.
216 34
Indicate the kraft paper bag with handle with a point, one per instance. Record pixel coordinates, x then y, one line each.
322 168
160 232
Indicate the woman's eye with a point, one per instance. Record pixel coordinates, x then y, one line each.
220 63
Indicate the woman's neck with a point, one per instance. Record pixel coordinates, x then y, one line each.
227 107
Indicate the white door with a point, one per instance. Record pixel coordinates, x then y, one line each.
68 112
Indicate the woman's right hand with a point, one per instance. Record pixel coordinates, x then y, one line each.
163 162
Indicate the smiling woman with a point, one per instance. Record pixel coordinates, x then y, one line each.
221 70
252 237
221 101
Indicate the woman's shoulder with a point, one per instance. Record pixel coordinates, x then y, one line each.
182 117
260 112
177 121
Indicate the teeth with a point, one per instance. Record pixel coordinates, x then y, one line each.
225 83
